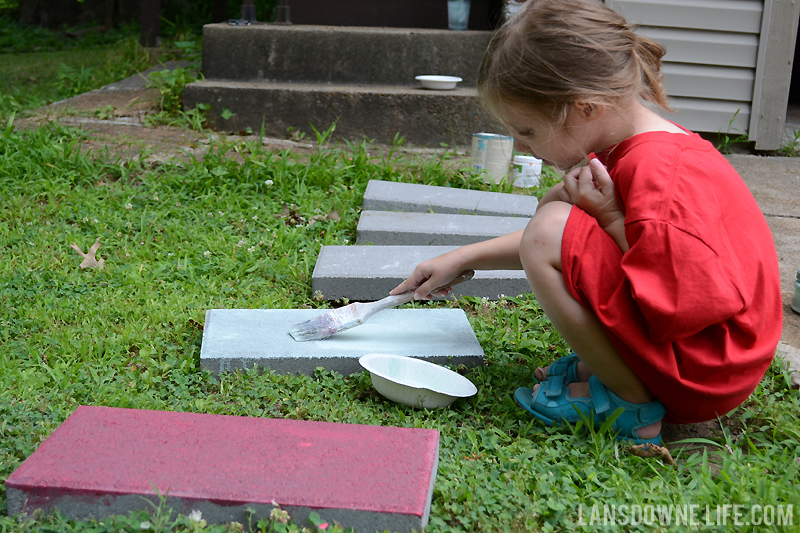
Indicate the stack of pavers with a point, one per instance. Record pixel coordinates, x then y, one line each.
406 224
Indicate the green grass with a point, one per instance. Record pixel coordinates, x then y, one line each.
181 238
41 67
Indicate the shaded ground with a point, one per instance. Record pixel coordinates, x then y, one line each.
114 117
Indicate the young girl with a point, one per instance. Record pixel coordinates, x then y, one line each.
653 260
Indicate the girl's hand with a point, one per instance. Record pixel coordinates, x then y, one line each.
430 274
590 188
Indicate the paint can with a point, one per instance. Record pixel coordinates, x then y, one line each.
491 152
525 171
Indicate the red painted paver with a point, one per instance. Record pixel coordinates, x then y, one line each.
102 461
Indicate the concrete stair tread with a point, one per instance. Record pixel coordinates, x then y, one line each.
412 88
108 461
235 339
301 53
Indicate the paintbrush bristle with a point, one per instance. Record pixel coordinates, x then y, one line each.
316 329
326 324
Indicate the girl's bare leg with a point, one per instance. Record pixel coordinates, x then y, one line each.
540 253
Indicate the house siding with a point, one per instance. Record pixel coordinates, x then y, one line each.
728 63
712 57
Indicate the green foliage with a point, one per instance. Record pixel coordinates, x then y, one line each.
35 79
16 38
791 145
731 137
170 85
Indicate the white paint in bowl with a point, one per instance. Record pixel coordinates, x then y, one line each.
440 83
415 382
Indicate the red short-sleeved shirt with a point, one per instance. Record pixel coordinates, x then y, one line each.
694 306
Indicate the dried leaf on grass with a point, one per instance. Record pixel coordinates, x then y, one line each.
333 215
90 258
651 450
292 216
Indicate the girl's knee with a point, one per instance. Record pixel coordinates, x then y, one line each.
541 240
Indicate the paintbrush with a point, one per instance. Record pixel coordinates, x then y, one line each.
355 314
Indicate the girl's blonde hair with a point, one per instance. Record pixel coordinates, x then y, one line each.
554 53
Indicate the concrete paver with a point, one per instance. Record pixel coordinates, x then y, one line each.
235 339
398 229
107 461
412 197
370 272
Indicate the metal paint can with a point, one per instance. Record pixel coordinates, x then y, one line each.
491 152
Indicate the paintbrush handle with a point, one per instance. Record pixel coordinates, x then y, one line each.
369 309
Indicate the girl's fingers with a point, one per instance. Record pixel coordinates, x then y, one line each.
599 173
411 283
569 192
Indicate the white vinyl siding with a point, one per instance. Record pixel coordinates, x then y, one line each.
712 60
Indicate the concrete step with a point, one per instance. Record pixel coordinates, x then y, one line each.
339 55
106 461
301 75
410 197
370 272
423 117
235 339
432 229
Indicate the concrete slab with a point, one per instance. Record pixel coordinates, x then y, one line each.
236 339
106 461
774 182
792 357
370 272
427 229
411 197
786 234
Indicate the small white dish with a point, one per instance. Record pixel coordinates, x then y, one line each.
439 83
415 382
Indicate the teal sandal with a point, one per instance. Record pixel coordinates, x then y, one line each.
566 366
553 404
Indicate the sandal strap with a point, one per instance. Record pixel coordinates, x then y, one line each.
599 394
553 385
560 366
606 402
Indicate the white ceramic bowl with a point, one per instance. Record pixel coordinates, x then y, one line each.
415 382
441 83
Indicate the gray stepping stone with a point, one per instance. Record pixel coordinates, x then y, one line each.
393 196
105 461
426 229
236 339
370 272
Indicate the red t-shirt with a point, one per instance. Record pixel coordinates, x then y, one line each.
694 306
